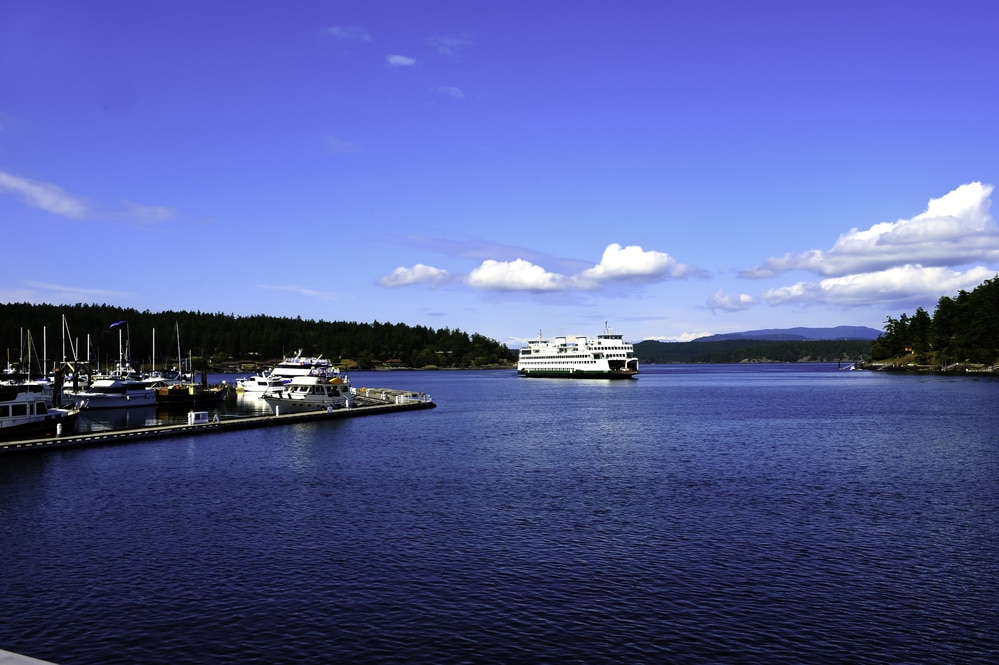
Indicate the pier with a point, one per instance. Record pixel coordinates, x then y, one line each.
370 402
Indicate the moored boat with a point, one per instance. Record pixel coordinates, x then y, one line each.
24 413
259 383
283 372
114 392
190 394
606 356
311 393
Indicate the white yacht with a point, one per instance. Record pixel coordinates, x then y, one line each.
121 389
282 373
606 356
311 393
259 383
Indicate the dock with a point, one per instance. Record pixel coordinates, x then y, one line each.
370 402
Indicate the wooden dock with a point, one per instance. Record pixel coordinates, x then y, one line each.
374 401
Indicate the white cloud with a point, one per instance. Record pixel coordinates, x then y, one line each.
52 198
339 146
400 60
451 91
617 264
302 290
898 285
418 274
727 303
633 263
65 293
44 195
955 229
517 275
449 45
146 215
348 33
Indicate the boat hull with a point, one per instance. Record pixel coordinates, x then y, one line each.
39 426
577 374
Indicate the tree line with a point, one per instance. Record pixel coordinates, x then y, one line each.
963 329
220 341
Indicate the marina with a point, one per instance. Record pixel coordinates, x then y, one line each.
368 402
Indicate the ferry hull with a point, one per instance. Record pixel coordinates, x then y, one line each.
577 374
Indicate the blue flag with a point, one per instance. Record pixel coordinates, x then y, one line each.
115 325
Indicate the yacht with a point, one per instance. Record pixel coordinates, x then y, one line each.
286 370
311 393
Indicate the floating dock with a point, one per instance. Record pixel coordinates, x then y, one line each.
370 402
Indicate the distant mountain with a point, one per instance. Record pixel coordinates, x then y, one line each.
799 334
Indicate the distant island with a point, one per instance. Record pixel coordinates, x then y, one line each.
799 334
790 345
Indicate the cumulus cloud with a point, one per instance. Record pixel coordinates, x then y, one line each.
418 274
44 196
730 303
618 263
901 284
400 60
517 275
632 263
348 33
955 229
952 245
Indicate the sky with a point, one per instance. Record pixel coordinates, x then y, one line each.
667 169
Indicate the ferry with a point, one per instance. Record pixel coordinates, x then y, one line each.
607 356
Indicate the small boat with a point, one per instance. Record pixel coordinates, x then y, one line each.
24 413
190 394
311 393
607 356
259 383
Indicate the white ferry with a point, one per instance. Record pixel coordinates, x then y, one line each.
607 356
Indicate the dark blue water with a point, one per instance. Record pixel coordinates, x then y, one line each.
715 514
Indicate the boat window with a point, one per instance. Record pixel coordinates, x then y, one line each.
19 409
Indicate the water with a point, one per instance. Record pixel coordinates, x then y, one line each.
709 514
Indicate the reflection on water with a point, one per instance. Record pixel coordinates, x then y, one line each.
236 405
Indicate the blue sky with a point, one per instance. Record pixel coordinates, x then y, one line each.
672 168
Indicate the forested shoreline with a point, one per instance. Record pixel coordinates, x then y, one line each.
963 330
226 342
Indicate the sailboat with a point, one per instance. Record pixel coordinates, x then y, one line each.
120 388
185 392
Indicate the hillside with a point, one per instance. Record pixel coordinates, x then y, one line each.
800 334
